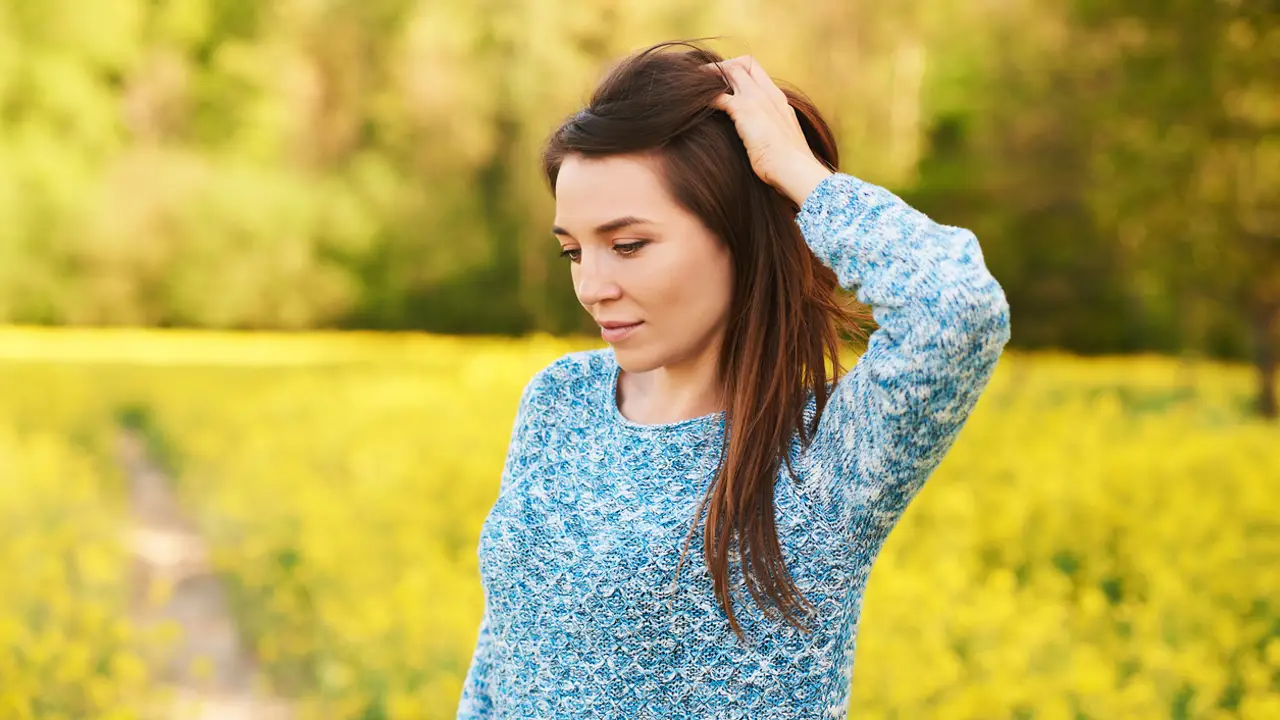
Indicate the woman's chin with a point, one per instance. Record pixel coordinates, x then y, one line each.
633 361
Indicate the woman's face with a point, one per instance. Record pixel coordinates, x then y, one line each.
637 257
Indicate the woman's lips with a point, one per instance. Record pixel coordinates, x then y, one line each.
613 335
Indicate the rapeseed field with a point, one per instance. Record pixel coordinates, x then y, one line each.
1102 541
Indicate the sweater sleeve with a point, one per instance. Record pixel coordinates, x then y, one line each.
943 322
476 701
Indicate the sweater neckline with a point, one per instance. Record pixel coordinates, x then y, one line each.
610 392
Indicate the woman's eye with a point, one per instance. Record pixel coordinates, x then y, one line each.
575 254
630 248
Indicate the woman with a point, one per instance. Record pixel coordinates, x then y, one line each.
706 230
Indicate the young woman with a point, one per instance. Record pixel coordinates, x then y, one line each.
706 230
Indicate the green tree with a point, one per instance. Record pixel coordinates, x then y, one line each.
1188 157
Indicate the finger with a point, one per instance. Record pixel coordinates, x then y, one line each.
737 72
743 84
729 69
763 80
719 68
759 78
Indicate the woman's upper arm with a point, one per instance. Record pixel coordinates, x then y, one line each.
943 322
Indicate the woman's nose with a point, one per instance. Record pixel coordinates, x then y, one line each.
595 280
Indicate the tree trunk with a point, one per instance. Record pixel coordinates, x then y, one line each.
1265 317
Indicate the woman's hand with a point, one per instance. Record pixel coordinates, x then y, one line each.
769 129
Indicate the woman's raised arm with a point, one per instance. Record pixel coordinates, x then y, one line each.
943 323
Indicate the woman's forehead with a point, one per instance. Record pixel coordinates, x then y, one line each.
595 191
615 174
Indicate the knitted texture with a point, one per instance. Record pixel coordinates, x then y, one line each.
578 554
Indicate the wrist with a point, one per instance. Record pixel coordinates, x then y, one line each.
798 178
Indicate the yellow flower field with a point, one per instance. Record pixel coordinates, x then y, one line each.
1102 542
66 649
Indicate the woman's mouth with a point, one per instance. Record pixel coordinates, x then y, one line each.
616 334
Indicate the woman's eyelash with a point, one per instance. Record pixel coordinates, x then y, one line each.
631 246
626 248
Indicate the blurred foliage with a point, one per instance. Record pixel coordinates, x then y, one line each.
1092 547
330 163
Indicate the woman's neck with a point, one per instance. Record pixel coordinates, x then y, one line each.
671 393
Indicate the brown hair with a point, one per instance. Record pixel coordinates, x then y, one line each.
785 317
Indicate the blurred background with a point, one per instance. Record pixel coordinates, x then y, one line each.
273 275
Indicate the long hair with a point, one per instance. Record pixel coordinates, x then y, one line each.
785 317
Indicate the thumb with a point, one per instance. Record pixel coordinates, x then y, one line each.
723 101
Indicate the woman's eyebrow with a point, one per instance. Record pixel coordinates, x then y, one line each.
601 229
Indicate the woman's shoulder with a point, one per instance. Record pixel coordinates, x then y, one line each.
572 375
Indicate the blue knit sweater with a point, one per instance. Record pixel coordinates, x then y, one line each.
578 553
